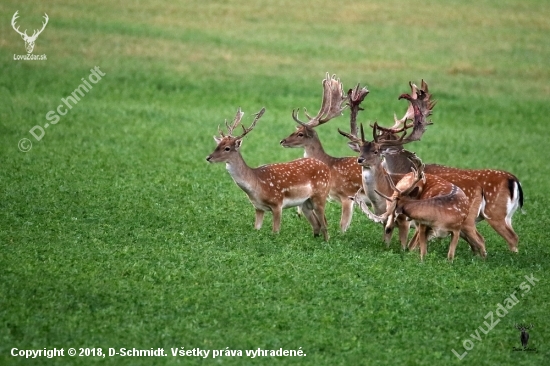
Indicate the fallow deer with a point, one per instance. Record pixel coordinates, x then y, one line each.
303 182
374 180
345 173
437 206
502 191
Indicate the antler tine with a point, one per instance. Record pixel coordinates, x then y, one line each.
220 130
349 136
235 122
362 134
390 181
257 116
375 132
295 117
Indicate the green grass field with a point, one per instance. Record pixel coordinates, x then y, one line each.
116 233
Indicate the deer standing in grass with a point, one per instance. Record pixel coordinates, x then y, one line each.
303 182
502 192
437 206
345 173
375 180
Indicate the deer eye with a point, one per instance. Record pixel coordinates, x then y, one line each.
375 152
300 134
227 148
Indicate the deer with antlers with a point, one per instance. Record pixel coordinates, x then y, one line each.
502 192
29 40
438 207
345 173
374 180
303 182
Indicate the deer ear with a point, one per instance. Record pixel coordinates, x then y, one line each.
217 139
238 143
354 146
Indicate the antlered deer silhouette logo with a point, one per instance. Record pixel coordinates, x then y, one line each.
29 40
524 335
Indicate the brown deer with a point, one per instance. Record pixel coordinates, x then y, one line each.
437 206
303 182
502 191
375 180
344 171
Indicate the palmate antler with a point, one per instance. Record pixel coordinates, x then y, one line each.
355 98
331 106
420 107
237 121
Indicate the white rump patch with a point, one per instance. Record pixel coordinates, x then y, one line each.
512 205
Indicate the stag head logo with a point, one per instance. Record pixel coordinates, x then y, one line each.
29 40
524 335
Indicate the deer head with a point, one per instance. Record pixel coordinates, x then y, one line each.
228 144
29 40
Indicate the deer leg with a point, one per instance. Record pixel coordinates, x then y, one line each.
347 213
422 240
319 211
277 213
506 231
403 226
389 225
474 238
259 219
455 235
307 210
469 232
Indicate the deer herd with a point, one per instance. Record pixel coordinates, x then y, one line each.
391 185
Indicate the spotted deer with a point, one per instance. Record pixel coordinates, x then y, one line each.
502 191
345 172
273 187
374 180
437 206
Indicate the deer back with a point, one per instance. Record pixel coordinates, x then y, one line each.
290 184
438 203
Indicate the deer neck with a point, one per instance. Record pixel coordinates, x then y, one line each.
242 174
396 162
375 178
315 150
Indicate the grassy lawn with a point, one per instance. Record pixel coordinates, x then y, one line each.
116 233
